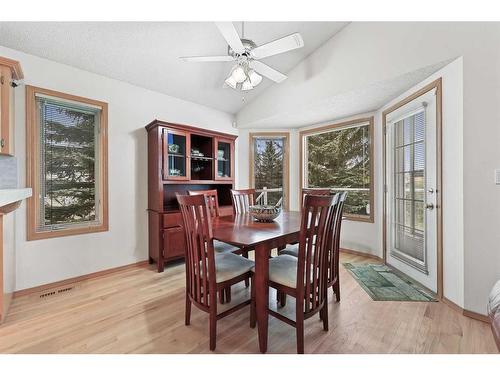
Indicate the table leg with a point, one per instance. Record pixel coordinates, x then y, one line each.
262 293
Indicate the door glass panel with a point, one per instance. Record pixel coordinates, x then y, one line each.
419 185
223 159
419 126
409 187
419 156
176 155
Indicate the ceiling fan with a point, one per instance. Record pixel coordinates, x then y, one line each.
248 71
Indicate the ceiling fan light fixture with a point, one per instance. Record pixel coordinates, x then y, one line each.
231 82
255 78
247 85
238 74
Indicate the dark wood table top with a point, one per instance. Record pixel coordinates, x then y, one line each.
243 230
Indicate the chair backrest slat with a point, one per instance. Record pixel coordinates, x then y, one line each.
317 223
306 191
200 258
334 246
242 200
212 200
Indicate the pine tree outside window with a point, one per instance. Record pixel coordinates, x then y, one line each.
67 156
340 157
269 167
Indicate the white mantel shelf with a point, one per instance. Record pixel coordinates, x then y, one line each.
8 196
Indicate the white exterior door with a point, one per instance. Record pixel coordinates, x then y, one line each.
411 189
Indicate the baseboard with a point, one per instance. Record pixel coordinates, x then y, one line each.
93 275
360 253
477 316
467 313
452 305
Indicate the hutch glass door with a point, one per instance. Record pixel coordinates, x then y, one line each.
224 160
176 145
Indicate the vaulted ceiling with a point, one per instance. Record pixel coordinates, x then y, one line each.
147 54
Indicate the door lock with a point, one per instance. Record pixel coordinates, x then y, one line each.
430 191
429 206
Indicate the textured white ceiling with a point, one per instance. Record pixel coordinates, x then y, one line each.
146 54
362 100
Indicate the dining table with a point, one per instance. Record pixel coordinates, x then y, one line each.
242 230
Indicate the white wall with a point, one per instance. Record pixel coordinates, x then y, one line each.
364 53
130 109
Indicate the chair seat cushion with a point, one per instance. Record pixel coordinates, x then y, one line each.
292 250
283 270
228 266
222 247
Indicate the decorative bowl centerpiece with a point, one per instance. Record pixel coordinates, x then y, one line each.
265 214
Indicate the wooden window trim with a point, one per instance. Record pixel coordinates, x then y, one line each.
32 157
286 166
344 124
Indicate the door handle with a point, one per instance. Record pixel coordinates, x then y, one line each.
429 206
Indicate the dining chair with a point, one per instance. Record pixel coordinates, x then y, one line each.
334 249
242 200
305 277
208 272
213 207
307 191
219 246
293 248
212 200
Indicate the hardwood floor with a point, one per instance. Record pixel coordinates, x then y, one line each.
141 311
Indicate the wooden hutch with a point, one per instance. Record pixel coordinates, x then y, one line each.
182 158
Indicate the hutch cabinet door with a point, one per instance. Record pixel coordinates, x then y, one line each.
224 168
6 111
176 150
174 243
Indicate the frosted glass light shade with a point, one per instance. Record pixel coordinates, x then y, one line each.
238 74
231 82
255 78
247 85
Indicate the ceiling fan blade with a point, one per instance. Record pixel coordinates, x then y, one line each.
231 35
267 71
206 58
281 45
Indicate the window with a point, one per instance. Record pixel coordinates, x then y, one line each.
67 164
269 169
339 157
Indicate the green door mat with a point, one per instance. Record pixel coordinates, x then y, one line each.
383 283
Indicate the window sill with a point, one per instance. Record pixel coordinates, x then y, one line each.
361 218
33 235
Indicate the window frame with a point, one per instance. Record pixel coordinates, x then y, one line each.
33 144
338 126
286 161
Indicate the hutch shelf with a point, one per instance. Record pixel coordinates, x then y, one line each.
182 158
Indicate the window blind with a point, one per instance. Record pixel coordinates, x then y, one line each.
69 172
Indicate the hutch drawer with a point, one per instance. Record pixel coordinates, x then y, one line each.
172 220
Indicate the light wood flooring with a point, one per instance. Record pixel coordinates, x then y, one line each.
140 311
